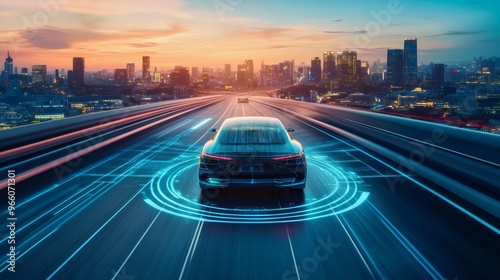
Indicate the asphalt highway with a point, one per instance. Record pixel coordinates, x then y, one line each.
133 210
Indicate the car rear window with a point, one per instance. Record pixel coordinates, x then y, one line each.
252 135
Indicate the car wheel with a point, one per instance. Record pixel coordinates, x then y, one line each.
206 187
299 187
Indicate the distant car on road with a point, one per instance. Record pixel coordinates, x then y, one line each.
252 151
243 100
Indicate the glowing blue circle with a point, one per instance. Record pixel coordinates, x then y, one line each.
343 194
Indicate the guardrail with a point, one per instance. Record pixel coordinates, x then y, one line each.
21 135
462 161
84 134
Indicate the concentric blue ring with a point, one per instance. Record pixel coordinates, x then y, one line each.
335 192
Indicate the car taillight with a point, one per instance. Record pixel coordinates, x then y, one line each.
288 157
217 157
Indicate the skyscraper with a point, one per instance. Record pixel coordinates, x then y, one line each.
195 74
410 72
121 76
249 66
245 73
242 75
39 73
316 70
8 68
329 69
180 76
438 74
24 75
130 72
227 72
205 76
347 68
146 67
364 71
78 70
395 60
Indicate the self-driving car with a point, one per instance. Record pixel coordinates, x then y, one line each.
252 151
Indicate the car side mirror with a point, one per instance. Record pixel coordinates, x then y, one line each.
290 130
213 129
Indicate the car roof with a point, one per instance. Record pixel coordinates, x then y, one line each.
251 121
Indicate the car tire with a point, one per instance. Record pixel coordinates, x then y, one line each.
205 187
299 187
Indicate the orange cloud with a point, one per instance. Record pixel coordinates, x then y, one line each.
49 38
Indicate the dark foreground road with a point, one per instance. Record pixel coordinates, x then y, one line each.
134 211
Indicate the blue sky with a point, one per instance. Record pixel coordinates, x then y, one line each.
214 32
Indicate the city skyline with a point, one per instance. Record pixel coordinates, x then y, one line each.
212 33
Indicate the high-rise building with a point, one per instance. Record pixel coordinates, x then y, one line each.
265 75
130 72
347 68
195 74
8 68
249 66
395 60
303 73
329 69
57 78
227 72
146 67
39 73
288 71
245 74
316 70
205 76
70 77
364 72
180 76
156 77
410 71
438 74
78 70
24 75
121 76
241 75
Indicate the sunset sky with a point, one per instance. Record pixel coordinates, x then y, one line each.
111 33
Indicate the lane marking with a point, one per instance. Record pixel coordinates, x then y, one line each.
94 234
200 124
135 247
407 244
243 108
350 135
293 254
289 241
192 246
94 198
357 249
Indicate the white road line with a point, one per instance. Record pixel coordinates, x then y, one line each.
290 243
293 254
362 161
353 243
243 108
136 245
95 233
192 247
455 188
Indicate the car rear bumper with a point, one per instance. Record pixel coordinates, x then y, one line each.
279 171
224 180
